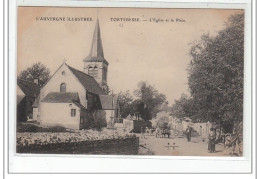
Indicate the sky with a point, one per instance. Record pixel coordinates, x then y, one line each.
143 50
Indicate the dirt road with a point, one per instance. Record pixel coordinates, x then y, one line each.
177 146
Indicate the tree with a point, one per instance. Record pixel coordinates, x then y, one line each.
216 73
149 100
125 100
185 107
36 71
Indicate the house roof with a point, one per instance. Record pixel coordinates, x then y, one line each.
108 102
89 83
29 88
78 104
96 52
61 97
19 98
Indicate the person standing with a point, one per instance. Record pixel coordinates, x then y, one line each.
142 132
200 131
188 133
211 143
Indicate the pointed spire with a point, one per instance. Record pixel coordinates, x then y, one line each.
96 51
96 48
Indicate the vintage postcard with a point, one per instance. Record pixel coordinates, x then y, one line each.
130 81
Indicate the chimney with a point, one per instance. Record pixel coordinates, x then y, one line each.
36 81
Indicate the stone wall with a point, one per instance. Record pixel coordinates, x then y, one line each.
126 146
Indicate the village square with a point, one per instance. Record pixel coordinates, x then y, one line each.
74 111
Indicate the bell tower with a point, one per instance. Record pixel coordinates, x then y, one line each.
95 63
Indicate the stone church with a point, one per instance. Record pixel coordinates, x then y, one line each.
77 99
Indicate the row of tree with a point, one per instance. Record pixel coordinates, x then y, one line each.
215 76
145 102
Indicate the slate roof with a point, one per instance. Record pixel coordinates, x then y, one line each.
108 102
96 52
79 105
61 97
29 88
87 81
95 59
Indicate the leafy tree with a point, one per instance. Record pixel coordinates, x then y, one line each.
148 99
185 107
99 119
36 71
216 73
125 100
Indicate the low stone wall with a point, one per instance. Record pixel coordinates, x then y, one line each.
126 146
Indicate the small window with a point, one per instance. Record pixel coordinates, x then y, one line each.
73 112
63 87
93 71
63 73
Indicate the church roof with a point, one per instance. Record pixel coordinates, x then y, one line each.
108 102
89 83
61 97
29 88
96 52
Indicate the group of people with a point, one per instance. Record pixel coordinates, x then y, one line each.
146 130
158 132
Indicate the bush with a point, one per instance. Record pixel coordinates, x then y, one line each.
27 128
36 128
99 119
54 129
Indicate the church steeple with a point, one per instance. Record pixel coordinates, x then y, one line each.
95 63
96 52
96 48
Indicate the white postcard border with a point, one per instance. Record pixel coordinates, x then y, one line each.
139 164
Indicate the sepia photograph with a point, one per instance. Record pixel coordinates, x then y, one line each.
130 81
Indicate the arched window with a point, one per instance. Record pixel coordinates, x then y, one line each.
63 73
93 71
63 87
90 68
